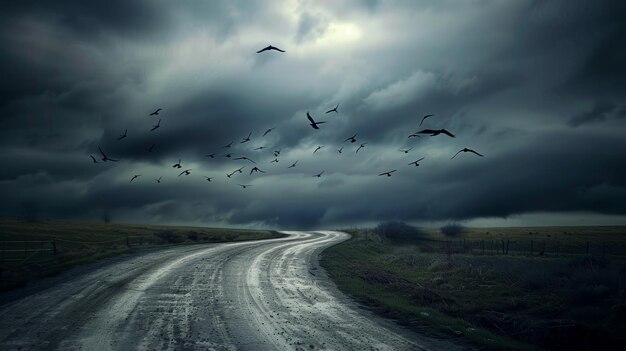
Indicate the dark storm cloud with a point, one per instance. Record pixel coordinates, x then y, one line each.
537 86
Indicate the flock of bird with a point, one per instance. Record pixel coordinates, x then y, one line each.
312 122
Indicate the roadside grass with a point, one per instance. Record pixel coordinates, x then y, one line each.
507 302
27 253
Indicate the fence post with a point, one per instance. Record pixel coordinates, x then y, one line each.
54 246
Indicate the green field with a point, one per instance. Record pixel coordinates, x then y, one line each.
42 248
568 292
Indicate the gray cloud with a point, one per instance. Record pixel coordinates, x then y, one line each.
534 85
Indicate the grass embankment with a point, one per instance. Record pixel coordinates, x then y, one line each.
27 249
506 302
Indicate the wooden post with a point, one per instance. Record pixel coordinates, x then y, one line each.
54 246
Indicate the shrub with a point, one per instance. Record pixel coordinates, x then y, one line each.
452 229
398 231
169 237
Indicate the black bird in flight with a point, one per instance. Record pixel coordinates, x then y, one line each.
151 147
423 118
158 180
267 131
340 150
210 155
434 132
319 175
269 47
177 165
416 163
260 148
243 186
208 178
313 123
414 135
239 170
256 169
467 150
229 155
185 172
246 139
227 145
333 109
105 157
351 139
156 112
406 151
93 158
244 158
276 153
293 165
388 174
230 174
360 147
274 160
134 177
123 135
156 126
318 148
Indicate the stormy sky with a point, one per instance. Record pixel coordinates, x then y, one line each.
538 87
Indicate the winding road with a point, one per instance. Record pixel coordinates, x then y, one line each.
256 295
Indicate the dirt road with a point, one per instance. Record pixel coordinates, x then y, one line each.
260 295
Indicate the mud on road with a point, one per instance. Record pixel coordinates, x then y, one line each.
260 295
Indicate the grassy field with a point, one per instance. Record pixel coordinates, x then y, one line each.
524 300
43 248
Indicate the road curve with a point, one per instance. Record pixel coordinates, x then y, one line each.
258 295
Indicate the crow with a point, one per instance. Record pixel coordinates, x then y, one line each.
388 174
333 109
318 148
151 147
256 169
208 178
313 123
293 165
123 135
416 163
260 148
227 145
274 160
467 150
244 185
340 150
93 158
406 151
185 172
319 175
244 158
423 118
156 126
351 139
267 131
434 132
105 157
134 177
177 165
156 112
210 155
246 139
360 147
229 155
158 180
276 153
269 47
